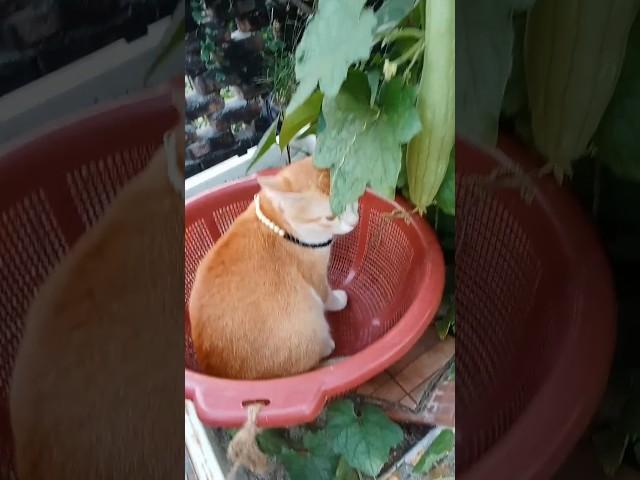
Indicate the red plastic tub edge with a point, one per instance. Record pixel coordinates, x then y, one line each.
313 389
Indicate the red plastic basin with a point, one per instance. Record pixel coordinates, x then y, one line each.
535 319
394 273
54 185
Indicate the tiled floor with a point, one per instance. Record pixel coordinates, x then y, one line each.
417 388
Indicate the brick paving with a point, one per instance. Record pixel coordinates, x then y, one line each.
418 388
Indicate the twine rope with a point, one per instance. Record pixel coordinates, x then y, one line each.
243 451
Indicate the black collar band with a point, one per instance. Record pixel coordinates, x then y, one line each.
300 243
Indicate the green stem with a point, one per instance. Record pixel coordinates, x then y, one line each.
408 32
415 49
412 63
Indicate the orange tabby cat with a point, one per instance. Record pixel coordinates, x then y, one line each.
258 303
96 387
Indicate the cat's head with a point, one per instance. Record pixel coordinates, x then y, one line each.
300 193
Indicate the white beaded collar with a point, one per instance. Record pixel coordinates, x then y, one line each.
281 232
263 218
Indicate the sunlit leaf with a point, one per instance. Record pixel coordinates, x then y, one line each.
439 449
302 116
267 141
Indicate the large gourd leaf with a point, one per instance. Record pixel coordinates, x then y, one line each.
392 12
340 34
362 145
365 440
318 462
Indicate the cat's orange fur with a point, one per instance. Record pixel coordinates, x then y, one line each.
96 387
257 307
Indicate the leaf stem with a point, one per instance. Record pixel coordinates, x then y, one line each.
412 52
407 72
408 32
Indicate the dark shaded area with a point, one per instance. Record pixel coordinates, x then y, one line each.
40 37
41 220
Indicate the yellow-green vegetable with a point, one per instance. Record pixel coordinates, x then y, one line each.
574 51
428 153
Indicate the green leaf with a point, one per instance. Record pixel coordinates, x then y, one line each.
483 64
610 445
266 142
271 442
176 41
617 137
515 95
305 114
446 323
446 196
345 471
439 449
373 77
357 86
322 122
365 440
363 145
392 12
398 102
312 130
303 466
318 462
340 34
318 443
403 181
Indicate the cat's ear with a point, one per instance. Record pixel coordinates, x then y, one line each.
271 184
277 190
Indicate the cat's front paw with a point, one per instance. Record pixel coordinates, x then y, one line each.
329 347
337 301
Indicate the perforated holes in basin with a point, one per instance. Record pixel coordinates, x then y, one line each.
225 216
197 242
31 244
94 185
380 280
497 274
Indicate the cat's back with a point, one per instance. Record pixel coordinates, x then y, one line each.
95 354
252 312
244 256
